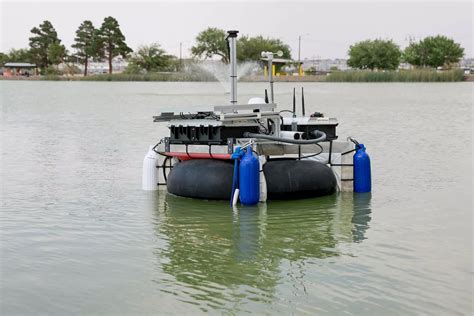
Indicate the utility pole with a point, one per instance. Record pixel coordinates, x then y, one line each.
299 55
299 48
180 56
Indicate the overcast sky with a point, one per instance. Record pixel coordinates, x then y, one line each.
327 28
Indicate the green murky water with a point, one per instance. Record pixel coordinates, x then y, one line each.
79 236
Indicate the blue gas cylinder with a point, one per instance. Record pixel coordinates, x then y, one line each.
249 179
362 176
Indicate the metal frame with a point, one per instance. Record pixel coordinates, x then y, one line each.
270 107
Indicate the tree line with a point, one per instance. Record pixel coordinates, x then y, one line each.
45 48
107 42
432 51
212 42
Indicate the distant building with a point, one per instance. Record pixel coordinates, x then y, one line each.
325 65
118 66
19 69
405 66
467 65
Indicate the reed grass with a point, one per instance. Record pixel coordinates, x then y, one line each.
51 77
339 76
174 76
396 76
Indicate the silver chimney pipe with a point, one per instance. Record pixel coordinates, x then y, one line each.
232 42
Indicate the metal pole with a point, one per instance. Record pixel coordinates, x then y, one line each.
180 56
232 38
270 75
299 50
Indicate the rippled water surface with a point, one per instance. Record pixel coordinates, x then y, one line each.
79 236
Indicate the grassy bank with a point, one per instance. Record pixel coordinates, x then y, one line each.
340 76
397 76
306 78
172 76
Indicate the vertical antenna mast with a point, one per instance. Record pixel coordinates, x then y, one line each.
232 41
302 101
294 102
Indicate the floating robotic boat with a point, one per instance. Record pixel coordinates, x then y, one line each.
251 152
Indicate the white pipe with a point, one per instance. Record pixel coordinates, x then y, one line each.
236 197
293 135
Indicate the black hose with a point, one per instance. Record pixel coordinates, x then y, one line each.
320 137
354 141
210 151
313 155
164 168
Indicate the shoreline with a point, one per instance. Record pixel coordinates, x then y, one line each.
338 77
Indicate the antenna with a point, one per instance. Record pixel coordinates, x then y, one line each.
302 100
266 96
294 102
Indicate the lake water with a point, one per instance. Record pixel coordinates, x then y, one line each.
79 236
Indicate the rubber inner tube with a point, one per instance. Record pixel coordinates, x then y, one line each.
209 179
296 179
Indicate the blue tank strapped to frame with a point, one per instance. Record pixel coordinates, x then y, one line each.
362 172
249 178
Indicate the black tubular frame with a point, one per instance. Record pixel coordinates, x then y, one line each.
341 164
164 166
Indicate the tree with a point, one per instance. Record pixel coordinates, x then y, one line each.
152 58
133 69
387 54
111 41
374 54
360 55
56 53
211 42
433 51
85 43
250 48
43 38
17 55
3 59
415 54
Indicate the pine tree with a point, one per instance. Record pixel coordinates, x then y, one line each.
56 53
112 41
85 43
43 38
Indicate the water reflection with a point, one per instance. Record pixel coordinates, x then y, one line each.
217 255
